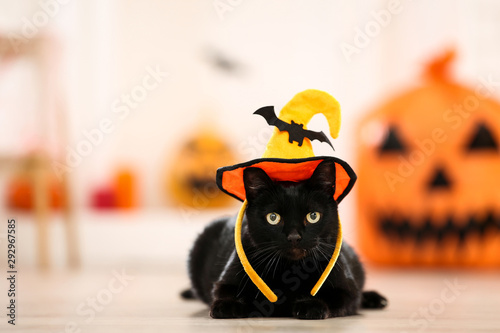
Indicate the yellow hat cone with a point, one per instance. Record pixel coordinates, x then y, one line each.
300 110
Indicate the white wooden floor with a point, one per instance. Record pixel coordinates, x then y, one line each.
92 299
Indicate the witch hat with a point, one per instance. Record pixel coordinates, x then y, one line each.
289 157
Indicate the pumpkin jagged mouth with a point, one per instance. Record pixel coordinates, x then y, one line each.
201 183
404 229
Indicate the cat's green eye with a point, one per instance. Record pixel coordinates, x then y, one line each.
273 218
313 217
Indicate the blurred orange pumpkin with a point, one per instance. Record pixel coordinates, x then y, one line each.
429 175
191 178
20 193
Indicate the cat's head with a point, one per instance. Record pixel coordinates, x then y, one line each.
295 219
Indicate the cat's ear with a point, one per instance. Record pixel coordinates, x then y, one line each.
324 175
255 180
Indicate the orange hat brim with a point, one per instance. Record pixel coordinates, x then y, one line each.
230 179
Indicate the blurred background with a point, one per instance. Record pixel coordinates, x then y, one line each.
114 92
69 66
114 116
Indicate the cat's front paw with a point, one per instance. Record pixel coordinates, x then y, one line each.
228 308
310 309
373 300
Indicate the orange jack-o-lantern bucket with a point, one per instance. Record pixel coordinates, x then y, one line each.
191 177
429 175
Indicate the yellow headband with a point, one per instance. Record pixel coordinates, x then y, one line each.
257 280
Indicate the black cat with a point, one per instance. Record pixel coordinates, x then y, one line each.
289 235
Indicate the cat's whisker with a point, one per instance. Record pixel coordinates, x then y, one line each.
325 247
275 258
242 288
320 258
325 244
263 256
261 249
269 264
319 267
315 257
267 244
324 254
260 253
268 260
265 259
276 266
257 251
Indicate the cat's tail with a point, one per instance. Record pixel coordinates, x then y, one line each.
373 300
188 294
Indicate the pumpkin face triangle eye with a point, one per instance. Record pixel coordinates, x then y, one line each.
482 139
392 142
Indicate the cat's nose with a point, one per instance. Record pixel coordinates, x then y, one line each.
294 237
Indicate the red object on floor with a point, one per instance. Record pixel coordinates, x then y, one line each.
104 198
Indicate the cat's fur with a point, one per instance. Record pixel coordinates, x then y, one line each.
289 256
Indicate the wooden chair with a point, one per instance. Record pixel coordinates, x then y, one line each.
43 50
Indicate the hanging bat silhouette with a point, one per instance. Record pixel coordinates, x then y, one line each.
296 132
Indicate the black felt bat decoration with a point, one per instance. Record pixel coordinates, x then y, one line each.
296 132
